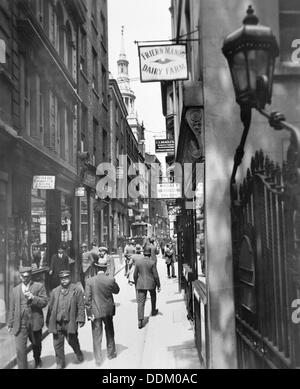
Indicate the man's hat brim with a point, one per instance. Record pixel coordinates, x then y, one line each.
25 269
64 273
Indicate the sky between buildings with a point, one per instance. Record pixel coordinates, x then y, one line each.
144 20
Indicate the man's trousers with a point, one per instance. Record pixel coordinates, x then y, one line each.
35 338
59 343
141 300
97 333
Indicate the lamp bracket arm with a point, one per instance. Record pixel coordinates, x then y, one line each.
239 153
292 166
278 122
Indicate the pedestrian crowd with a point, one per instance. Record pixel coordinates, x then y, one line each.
70 304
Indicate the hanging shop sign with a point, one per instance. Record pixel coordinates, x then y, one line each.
43 182
168 191
163 63
164 145
80 191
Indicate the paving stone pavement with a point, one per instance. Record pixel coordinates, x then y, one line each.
165 342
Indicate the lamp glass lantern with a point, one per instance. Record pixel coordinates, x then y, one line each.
251 51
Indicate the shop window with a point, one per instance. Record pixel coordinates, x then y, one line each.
66 219
289 28
38 228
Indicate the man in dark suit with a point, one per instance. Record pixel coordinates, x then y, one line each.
100 309
154 249
146 278
25 318
59 262
65 313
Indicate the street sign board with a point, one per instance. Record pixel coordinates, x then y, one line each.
163 62
168 190
43 182
164 145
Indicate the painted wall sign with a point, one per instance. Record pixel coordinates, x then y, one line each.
164 145
43 182
163 63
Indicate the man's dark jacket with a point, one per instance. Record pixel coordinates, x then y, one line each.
99 292
75 309
36 305
145 274
57 264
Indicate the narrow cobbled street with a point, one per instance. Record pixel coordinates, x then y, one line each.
165 342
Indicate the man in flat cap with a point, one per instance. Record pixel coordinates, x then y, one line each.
100 309
104 257
58 262
65 313
25 317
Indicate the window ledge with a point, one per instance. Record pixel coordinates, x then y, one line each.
94 26
104 106
96 93
5 74
287 69
82 72
103 47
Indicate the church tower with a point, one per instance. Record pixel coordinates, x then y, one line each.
124 81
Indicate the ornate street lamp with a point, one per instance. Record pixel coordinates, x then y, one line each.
251 51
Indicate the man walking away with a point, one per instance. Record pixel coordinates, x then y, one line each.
170 260
25 317
146 278
65 313
100 309
154 250
134 258
128 252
